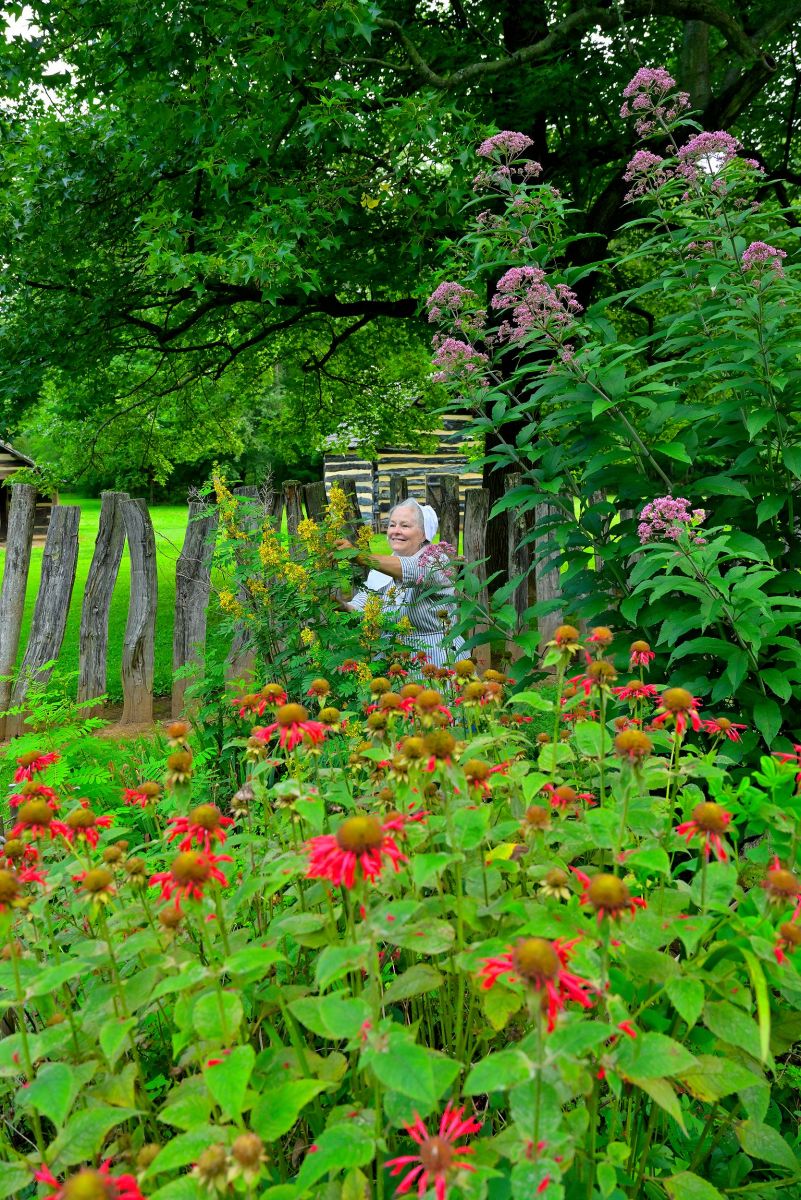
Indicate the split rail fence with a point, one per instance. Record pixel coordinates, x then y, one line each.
127 520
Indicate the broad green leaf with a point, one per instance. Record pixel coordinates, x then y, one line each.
500 1004
14 1179
254 961
113 1037
592 739
792 459
334 962
688 1186
334 1017
276 1112
48 981
337 1149
82 1137
765 1142
663 1094
714 1076
653 859
187 1107
769 507
762 998
734 1026
185 1188
577 1036
498 1072
419 979
228 1078
533 700
767 718
470 826
413 1070
424 937
184 1149
687 997
52 1092
653 1055
427 868
217 1015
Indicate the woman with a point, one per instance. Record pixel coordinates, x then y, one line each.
414 582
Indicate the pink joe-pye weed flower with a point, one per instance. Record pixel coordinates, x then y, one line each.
760 258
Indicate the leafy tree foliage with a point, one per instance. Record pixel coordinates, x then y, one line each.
194 192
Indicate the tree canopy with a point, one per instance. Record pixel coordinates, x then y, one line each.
193 193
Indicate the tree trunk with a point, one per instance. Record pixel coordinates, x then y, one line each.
476 510
52 605
519 564
93 641
294 506
19 539
694 63
192 587
138 648
242 656
547 577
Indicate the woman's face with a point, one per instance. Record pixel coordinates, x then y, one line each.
403 533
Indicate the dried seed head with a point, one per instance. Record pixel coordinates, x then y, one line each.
377 721
710 817
13 849
135 868
212 1166
491 676
273 692
607 892
465 668
428 701
97 880
88 1184
436 1155
474 691
207 816
790 933
413 747
80 818
380 685
543 739
149 789
536 960
112 854
35 812
410 691
601 635
782 884
330 716
566 635
190 867
248 1150
319 687
390 701
633 744
291 714
477 769
170 917
9 887
602 671
177 730
640 647
537 817
440 744
677 700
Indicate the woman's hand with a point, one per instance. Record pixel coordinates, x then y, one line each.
344 544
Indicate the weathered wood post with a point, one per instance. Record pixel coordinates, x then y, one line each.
19 539
476 515
519 562
294 505
433 493
275 509
239 663
59 561
93 641
138 647
546 574
316 499
398 490
354 510
192 588
449 510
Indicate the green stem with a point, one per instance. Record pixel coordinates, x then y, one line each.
27 1062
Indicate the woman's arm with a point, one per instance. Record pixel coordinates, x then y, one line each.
388 563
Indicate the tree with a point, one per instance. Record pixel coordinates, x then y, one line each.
204 189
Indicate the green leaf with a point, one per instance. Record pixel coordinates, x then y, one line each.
767 718
337 1149
661 1091
769 507
734 1026
762 998
765 1142
577 1037
51 979
470 826
228 1079
791 456
653 1055
687 997
413 1070
420 978
533 699
53 1092
185 1188
778 682
714 1076
424 937
688 1186
592 739
83 1135
498 1072
500 1004
188 1106
184 1149
253 962
277 1111
332 1017
14 1179
653 859
217 1015
335 962
427 868
113 1037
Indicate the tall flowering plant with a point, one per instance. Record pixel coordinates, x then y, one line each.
660 384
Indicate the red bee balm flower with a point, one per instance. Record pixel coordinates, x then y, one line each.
635 689
708 821
89 1184
188 874
35 817
723 727
31 764
641 655
362 842
204 825
142 795
564 796
82 823
789 939
607 895
438 1155
543 966
293 727
678 705
34 791
782 886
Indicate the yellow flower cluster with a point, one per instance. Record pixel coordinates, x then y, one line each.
337 508
405 625
309 534
371 620
308 637
296 576
230 604
363 672
228 507
363 539
271 552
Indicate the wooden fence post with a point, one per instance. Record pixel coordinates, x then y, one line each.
449 510
294 506
316 499
93 640
398 490
274 504
241 658
19 539
476 514
59 561
138 647
519 558
192 588
547 576
433 493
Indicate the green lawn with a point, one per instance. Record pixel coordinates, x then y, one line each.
169 523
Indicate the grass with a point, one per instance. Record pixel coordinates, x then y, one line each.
169 523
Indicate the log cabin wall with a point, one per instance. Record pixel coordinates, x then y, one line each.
11 461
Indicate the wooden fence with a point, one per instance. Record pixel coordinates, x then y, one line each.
126 520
